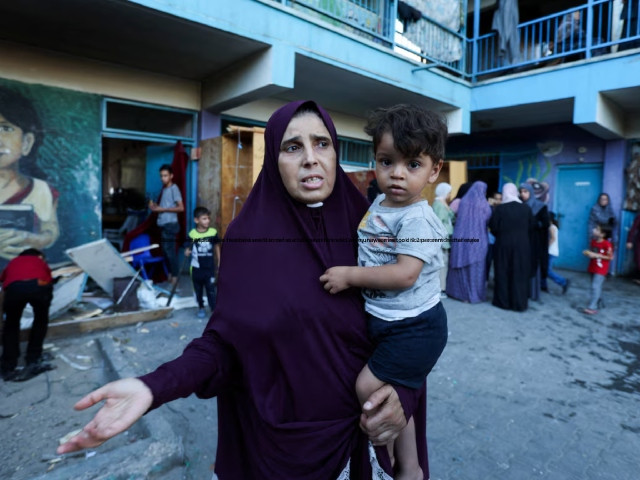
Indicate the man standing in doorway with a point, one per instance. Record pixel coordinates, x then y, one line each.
168 209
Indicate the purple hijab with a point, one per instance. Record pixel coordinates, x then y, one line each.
281 354
471 223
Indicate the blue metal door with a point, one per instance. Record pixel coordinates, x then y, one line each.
577 190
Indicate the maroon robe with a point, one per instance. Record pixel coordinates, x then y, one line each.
281 354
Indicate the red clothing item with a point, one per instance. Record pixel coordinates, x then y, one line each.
598 265
26 267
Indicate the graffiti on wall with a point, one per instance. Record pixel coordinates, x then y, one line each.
632 199
49 169
530 170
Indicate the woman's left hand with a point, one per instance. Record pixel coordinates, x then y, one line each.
383 416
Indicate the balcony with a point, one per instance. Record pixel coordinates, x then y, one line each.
436 36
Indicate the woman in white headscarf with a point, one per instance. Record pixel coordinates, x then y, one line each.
445 214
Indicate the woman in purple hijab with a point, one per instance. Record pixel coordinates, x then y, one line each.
466 280
280 353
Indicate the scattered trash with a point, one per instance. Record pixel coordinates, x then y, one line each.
144 330
131 349
183 337
69 436
90 454
73 364
174 324
147 297
179 303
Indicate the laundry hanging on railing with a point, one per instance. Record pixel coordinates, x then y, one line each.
505 22
435 41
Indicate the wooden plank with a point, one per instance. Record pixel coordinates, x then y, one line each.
258 156
209 178
135 251
79 326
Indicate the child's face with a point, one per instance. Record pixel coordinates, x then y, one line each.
166 177
597 233
14 143
402 179
203 221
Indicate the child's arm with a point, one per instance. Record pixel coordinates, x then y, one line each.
602 256
217 255
552 236
393 276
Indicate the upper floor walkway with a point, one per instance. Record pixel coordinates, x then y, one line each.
578 65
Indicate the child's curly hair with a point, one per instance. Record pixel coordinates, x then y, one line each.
415 130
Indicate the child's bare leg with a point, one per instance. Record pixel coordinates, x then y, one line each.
407 451
405 444
366 384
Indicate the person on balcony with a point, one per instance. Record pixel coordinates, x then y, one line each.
570 36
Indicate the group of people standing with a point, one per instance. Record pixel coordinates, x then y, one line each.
518 234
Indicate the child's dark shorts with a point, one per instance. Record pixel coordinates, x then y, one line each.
406 350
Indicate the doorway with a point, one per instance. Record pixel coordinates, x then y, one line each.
130 178
577 190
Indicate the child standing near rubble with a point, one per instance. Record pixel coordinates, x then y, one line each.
205 258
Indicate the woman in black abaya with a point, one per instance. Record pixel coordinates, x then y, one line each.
511 223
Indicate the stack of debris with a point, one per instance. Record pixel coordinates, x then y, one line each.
101 289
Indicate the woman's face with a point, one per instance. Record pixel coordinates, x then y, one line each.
14 143
603 200
307 160
524 194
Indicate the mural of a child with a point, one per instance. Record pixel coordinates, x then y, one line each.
28 205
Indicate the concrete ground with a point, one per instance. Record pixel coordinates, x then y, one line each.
548 393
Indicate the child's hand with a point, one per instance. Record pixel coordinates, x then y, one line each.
335 279
187 252
589 253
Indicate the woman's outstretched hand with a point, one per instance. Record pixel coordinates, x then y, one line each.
126 401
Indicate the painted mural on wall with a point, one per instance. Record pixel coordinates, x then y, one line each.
49 169
532 170
632 199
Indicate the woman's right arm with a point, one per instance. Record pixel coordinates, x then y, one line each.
204 368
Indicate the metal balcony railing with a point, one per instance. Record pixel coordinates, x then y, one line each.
436 37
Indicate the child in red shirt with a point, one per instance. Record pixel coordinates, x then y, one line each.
600 253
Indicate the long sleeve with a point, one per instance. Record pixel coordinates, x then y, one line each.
206 367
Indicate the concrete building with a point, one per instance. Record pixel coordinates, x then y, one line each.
116 83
